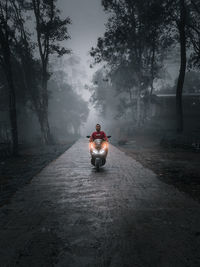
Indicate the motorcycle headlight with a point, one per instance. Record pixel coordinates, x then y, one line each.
105 146
91 145
94 151
102 151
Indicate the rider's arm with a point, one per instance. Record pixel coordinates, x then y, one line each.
105 137
91 138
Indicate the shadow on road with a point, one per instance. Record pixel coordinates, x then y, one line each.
101 170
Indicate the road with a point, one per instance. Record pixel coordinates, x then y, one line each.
72 216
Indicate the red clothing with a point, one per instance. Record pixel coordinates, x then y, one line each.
98 135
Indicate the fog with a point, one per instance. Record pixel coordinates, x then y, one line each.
91 75
132 66
88 23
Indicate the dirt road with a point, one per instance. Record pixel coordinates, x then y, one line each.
123 216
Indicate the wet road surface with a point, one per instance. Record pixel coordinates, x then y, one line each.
72 216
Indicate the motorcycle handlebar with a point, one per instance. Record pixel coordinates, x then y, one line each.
109 136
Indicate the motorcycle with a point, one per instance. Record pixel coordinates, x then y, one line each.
98 151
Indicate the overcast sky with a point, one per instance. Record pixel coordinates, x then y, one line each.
88 19
88 23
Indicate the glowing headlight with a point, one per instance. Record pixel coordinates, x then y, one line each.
105 146
95 151
91 145
102 151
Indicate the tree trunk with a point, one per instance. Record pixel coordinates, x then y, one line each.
179 89
12 99
41 112
6 64
45 129
44 126
138 112
12 112
44 122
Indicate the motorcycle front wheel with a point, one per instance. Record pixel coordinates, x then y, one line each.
97 167
97 164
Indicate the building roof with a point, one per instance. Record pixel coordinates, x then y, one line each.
174 95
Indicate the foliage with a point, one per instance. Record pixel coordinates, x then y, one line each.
66 106
133 46
30 73
139 36
194 34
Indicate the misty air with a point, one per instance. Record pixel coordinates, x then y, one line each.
99 133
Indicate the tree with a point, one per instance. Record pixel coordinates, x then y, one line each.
102 93
132 42
194 35
181 26
137 33
63 99
6 39
51 30
30 68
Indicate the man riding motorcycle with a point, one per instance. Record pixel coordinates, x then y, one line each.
98 134
98 147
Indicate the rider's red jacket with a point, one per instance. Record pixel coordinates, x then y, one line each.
98 135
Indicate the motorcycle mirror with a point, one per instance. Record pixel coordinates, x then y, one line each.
109 136
88 136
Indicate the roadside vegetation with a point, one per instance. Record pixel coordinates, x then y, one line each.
150 49
36 96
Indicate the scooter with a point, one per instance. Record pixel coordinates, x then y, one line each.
98 151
